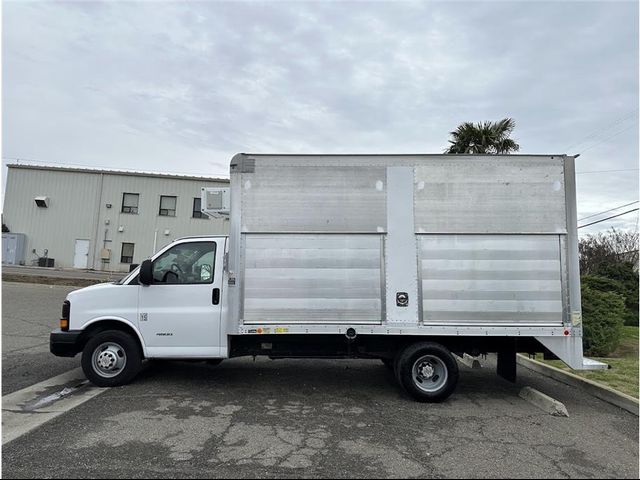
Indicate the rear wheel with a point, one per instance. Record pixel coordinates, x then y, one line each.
427 371
111 359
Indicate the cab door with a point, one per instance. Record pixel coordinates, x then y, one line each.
179 314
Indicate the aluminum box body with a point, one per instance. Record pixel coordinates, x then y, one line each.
479 245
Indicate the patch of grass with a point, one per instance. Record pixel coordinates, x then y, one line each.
623 374
630 333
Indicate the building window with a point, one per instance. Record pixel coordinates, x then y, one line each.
130 202
168 206
197 213
127 253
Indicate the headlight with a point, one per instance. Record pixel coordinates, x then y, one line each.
64 318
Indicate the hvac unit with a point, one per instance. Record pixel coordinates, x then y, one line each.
13 246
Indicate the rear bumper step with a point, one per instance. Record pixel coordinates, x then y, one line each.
569 350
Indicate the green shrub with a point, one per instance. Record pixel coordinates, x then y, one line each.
602 319
626 275
621 279
603 284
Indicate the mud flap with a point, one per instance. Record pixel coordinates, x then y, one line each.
507 361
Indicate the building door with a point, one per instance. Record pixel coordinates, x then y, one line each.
81 256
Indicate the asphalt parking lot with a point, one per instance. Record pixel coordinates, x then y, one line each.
299 418
29 313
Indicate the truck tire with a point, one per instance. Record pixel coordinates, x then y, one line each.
427 371
111 358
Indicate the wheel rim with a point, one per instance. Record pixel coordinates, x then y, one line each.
429 373
109 359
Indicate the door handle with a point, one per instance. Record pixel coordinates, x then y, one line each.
215 296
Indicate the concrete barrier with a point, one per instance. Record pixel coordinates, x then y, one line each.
544 402
469 361
595 389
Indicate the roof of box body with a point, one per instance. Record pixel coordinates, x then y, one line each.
402 155
117 172
245 162
239 156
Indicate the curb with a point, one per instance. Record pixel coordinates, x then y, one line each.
609 395
62 281
544 402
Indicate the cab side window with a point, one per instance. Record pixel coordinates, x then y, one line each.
186 264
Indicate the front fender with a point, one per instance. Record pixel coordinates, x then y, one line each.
111 318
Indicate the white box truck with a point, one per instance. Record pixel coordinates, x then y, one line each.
401 258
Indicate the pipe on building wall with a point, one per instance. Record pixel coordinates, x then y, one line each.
96 256
104 245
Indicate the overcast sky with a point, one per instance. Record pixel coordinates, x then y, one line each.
181 87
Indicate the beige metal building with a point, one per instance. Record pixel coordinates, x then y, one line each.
102 219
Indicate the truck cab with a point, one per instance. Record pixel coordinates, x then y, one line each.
175 312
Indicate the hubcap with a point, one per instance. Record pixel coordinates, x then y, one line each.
429 373
426 370
109 359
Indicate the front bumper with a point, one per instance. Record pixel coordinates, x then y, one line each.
65 344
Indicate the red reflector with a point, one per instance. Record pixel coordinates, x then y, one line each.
566 333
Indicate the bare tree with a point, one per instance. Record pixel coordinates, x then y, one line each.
606 248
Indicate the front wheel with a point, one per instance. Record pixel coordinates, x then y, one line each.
111 359
427 371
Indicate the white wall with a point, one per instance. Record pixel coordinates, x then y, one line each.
77 210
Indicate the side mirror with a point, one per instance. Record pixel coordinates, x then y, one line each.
146 273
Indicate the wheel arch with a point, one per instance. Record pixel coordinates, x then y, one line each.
110 323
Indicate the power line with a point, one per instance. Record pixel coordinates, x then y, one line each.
599 132
607 211
628 251
609 218
607 138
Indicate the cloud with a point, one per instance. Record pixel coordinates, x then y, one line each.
183 86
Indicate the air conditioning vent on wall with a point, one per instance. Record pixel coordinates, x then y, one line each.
216 202
42 202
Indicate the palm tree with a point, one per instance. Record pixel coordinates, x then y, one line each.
484 137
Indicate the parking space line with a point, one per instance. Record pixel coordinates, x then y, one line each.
31 407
